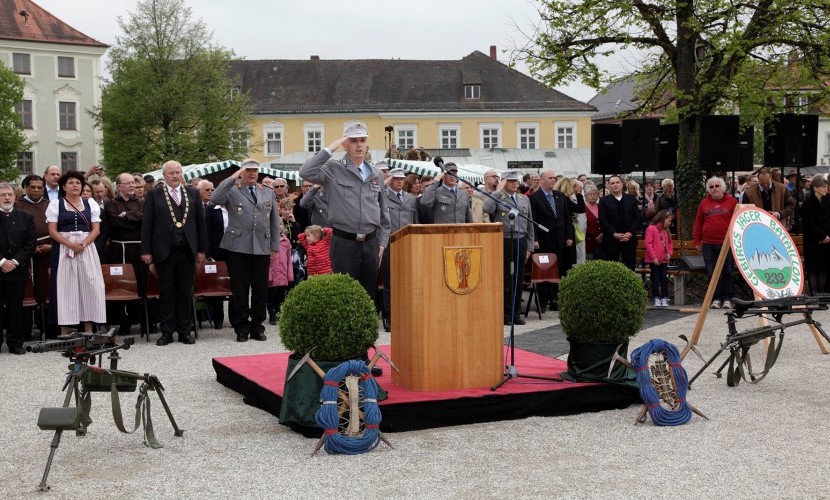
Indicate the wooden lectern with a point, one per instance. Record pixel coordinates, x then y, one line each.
447 308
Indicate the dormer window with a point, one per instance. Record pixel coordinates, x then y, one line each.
472 91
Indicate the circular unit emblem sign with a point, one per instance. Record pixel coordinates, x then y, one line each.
766 254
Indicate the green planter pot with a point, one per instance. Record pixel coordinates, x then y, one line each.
589 362
301 396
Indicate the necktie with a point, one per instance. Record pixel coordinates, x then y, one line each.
175 195
553 206
400 197
253 193
515 201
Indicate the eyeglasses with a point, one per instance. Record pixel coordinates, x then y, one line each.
279 185
715 186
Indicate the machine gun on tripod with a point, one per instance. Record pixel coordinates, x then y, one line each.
739 343
85 377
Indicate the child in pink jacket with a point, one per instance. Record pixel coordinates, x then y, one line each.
280 275
658 247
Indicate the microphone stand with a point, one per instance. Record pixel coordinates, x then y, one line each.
510 370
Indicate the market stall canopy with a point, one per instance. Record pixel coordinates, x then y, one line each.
471 173
207 169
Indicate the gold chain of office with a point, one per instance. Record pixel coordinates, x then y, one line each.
170 207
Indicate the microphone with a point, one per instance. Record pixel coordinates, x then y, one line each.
439 162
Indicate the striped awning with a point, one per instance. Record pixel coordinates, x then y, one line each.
202 169
470 173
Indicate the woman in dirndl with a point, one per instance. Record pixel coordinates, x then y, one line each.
78 285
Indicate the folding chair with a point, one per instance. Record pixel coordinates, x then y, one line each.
544 268
120 285
212 281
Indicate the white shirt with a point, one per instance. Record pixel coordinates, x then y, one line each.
53 210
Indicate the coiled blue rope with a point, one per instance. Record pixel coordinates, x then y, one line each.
639 361
328 418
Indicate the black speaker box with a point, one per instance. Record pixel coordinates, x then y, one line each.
809 137
641 145
746 150
790 140
692 262
669 134
606 149
719 142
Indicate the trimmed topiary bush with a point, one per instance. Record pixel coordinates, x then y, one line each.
331 314
602 302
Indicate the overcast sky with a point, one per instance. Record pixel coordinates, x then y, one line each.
360 29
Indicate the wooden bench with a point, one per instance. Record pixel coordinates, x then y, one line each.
678 276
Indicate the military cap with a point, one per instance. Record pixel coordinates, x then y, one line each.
510 175
249 163
397 173
355 130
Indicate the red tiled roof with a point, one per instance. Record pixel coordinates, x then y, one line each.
41 26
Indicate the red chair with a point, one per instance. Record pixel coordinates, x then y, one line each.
212 281
120 285
544 268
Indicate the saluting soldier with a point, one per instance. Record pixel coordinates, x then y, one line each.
251 239
314 202
449 203
403 210
518 237
358 214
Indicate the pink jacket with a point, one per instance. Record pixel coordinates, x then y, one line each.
658 245
281 271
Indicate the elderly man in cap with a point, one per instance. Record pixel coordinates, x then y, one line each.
449 203
403 210
358 212
519 236
251 239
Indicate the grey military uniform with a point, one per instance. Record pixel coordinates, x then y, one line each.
447 208
253 228
355 206
315 202
403 212
521 228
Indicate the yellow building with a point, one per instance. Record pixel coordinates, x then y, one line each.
469 108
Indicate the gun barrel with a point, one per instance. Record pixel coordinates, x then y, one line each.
55 345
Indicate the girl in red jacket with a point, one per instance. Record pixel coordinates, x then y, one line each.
658 247
316 240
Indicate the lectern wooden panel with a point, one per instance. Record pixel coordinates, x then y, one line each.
447 309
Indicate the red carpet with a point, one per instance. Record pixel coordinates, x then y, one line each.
260 378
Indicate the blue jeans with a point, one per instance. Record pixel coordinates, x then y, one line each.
659 281
726 284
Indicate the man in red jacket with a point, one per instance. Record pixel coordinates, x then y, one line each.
711 224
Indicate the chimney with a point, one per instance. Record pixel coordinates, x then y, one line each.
493 52
315 58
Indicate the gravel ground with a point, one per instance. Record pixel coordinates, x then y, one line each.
763 441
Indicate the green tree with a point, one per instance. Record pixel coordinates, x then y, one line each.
12 139
701 57
169 96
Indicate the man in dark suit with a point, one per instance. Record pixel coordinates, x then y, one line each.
552 209
17 243
619 219
173 235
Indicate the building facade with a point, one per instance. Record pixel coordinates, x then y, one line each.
61 70
476 103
